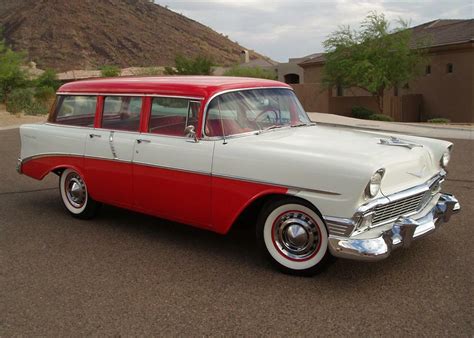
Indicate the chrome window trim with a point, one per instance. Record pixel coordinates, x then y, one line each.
204 114
118 131
54 124
172 97
199 98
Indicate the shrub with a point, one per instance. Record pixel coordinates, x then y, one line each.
109 71
150 71
45 95
256 72
380 117
362 113
12 76
48 79
36 108
19 99
184 66
439 120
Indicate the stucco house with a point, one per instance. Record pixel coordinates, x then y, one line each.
291 72
446 89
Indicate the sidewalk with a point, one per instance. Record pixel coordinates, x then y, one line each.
460 131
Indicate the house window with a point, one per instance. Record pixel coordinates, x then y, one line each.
340 90
449 68
428 70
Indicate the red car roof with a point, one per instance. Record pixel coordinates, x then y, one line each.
196 86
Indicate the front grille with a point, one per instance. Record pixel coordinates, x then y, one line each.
401 207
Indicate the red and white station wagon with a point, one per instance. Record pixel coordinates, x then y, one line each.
208 150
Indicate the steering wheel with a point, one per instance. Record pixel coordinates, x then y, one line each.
269 110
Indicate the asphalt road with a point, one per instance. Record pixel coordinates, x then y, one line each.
129 274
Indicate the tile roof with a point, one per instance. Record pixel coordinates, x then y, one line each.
436 33
444 32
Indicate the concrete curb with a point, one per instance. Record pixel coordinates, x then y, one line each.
438 127
440 133
10 127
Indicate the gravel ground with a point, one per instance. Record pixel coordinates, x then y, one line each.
8 120
129 274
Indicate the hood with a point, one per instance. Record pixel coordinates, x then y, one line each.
356 152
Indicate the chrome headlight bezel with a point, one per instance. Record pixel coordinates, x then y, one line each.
373 187
445 158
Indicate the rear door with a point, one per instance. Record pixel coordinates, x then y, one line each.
109 149
171 171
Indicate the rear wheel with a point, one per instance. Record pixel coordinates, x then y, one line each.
75 197
293 236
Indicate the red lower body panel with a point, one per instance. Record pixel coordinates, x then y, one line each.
39 167
230 197
200 200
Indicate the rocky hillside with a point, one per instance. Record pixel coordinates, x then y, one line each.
86 34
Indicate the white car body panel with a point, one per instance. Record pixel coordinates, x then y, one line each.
328 166
39 139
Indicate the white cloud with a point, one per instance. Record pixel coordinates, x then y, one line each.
291 28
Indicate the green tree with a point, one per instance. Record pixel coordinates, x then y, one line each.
109 71
256 72
187 66
375 58
11 74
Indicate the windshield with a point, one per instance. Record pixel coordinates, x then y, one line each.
254 110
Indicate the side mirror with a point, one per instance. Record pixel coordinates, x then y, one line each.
190 132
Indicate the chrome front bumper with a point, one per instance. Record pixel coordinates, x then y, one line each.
19 165
402 233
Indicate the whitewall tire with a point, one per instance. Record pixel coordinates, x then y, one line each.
75 196
293 236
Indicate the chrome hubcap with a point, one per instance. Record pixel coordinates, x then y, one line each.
296 235
75 190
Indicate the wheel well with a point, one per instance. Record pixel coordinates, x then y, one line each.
249 216
59 171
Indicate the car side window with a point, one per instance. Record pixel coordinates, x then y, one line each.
76 111
170 115
122 113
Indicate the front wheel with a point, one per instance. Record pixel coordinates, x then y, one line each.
293 236
74 195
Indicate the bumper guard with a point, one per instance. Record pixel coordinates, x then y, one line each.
402 233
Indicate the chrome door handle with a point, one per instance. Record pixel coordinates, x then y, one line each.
140 140
94 135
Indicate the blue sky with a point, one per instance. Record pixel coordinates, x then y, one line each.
291 28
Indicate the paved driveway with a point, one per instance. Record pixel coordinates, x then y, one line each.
125 273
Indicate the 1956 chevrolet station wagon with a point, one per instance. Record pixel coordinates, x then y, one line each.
208 150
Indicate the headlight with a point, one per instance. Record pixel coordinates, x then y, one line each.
445 159
373 187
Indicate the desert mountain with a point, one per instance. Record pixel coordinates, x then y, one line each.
86 34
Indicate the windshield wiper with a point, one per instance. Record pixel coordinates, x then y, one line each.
275 126
302 124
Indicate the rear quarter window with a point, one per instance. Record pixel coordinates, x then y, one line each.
75 110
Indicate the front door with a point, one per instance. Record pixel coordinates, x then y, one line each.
171 172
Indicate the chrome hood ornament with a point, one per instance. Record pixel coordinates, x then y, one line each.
395 141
